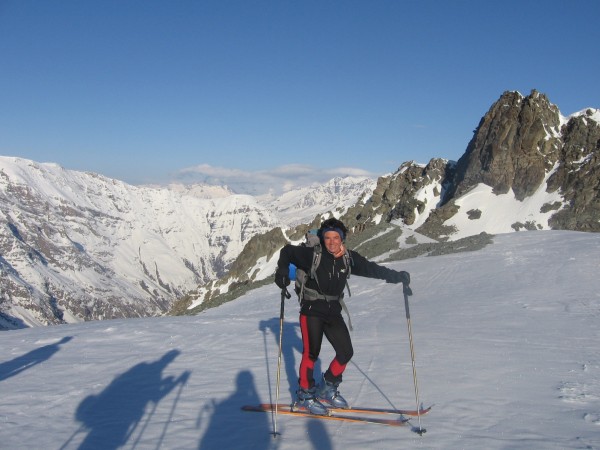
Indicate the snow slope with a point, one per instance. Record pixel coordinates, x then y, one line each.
507 349
107 249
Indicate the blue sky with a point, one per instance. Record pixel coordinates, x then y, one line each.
225 91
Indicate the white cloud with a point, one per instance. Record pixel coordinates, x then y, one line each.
276 180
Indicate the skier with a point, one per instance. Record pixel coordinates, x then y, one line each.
320 310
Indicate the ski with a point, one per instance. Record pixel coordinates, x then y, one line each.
335 415
403 412
359 410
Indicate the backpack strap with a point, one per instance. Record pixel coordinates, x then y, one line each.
313 274
345 308
316 261
348 264
311 294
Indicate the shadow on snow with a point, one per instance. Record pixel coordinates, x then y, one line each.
113 417
231 428
21 363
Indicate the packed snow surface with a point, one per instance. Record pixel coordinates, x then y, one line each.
507 348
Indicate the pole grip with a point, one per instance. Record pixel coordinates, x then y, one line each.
406 291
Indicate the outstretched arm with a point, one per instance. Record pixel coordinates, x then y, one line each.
361 266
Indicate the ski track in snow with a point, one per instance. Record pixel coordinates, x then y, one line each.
507 349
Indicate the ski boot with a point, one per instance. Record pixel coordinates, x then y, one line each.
306 401
328 392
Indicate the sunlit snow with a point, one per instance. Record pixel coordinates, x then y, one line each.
507 348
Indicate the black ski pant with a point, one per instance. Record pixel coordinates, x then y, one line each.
313 328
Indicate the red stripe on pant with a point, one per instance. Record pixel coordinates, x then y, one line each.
307 365
336 368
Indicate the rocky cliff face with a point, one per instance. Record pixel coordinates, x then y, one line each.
401 195
522 142
516 143
520 146
577 176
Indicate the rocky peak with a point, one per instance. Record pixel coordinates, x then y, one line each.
515 144
519 144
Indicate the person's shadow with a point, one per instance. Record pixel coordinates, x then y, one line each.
21 363
232 428
315 429
112 418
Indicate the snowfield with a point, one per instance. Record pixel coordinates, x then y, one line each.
507 343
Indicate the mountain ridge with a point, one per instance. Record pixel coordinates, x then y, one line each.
79 246
527 167
99 248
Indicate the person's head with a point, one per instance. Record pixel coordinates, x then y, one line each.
332 233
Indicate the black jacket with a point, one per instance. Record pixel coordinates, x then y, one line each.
331 272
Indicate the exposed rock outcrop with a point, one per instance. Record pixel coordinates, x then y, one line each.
516 143
397 196
578 175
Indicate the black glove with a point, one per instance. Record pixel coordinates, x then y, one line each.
404 277
282 279
400 277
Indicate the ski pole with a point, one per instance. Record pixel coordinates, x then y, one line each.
407 291
284 294
181 380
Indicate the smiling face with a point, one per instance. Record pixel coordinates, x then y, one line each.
332 241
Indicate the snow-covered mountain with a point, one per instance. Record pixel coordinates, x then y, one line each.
79 246
506 344
303 205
